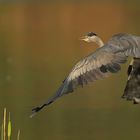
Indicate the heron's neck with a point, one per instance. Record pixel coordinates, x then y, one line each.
98 41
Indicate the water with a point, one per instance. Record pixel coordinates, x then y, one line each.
39 44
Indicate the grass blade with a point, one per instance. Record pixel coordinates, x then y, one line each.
2 131
18 135
9 127
4 125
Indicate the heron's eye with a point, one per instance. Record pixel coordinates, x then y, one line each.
91 34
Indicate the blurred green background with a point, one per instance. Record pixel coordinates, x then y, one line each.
39 44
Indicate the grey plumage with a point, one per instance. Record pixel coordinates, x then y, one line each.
99 64
132 89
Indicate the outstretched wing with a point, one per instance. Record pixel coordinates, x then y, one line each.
132 89
99 64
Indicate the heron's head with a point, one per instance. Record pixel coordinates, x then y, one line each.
90 37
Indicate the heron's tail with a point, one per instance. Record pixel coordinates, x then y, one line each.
132 89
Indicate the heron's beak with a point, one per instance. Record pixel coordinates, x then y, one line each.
84 38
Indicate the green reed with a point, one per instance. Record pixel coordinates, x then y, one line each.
6 127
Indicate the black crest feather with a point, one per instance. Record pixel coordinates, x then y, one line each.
91 34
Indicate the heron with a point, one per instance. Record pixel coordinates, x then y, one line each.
101 63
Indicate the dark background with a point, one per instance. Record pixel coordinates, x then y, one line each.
39 44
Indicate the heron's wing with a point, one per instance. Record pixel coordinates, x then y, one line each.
132 89
103 61
125 43
93 67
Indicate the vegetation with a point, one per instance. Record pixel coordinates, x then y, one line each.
6 127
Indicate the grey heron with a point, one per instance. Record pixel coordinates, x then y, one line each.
101 63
